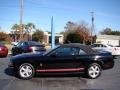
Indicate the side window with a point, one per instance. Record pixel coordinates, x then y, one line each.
75 51
94 45
62 52
19 44
101 45
65 51
104 46
81 52
24 44
98 45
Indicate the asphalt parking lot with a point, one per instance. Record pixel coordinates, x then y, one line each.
109 80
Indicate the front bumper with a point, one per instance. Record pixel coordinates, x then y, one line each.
10 65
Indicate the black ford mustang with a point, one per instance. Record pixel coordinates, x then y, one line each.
67 58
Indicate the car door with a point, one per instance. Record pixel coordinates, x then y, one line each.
62 60
83 58
22 47
17 48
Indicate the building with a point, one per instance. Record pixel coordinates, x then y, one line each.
109 39
58 38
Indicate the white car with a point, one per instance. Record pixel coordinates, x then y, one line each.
113 49
14 43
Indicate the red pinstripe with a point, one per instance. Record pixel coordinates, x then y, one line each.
60 70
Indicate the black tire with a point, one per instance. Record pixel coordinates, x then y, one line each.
26 71
94 70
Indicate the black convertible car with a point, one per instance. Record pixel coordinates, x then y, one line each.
67 58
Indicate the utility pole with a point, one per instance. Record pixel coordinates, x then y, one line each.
21 20
52 34
92 26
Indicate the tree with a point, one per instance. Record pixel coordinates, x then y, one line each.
38 35
106 31
73 38
16 33
3 36
109 31
115 32
29 28
76 32
16 28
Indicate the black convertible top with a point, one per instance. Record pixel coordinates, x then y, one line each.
86 48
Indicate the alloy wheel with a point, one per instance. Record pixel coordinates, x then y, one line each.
26 71
94 71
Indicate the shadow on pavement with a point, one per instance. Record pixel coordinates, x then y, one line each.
59 75
2 56
9 72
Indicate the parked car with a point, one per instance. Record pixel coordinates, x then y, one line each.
28 46
14 43
103 51
67 58
3 50
106 47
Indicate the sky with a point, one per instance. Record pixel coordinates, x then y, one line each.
39 12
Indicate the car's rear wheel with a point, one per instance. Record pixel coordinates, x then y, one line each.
94 71
26 71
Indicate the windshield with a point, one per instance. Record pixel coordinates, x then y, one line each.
109 45
34 43
48 51
19 44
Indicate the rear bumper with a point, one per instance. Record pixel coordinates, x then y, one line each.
108 65
3 53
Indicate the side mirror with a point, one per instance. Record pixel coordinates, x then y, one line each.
53 54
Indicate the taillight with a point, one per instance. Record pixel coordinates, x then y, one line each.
0 48
115 49
3 48
30 48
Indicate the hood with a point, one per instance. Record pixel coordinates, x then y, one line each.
26 55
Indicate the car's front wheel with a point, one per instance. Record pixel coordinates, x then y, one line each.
26 71
94 71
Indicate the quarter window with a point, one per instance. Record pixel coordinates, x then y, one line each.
81 52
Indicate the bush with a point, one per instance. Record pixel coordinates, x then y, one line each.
38 35
3 36
73 38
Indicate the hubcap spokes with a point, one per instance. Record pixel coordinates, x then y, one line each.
25 71
94 71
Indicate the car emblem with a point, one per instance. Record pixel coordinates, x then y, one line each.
41 64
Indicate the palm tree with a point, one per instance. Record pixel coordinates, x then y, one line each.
15 27
29 28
